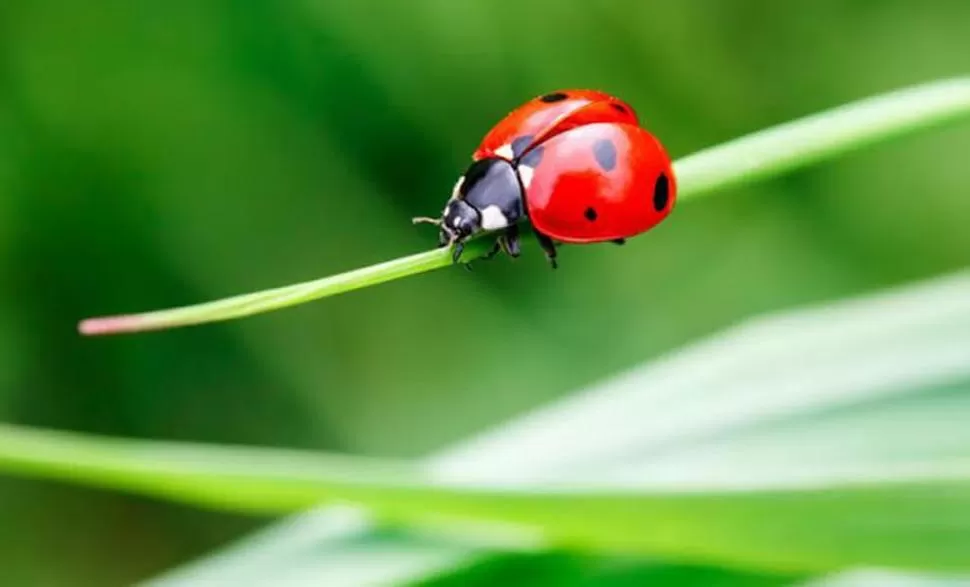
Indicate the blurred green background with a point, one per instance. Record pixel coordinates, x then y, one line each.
159 154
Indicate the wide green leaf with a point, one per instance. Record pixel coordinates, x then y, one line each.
332 546
811 441
882 578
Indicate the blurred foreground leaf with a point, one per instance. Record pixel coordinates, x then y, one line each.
812 441
762 154
312 548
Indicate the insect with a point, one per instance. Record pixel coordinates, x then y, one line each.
575 164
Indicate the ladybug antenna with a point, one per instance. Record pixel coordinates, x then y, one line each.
426 220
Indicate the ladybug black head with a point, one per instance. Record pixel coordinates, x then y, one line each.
459 221
488 197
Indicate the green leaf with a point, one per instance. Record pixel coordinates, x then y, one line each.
305 557
561 569
808 442
332 546
882 578
757 156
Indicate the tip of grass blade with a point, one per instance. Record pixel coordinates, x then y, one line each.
112 325
277 298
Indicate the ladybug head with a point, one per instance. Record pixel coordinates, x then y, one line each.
458 222
488 197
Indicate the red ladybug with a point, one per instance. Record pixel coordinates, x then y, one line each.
574 163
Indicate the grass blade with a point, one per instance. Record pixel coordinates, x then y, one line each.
757 156
825 135
277 298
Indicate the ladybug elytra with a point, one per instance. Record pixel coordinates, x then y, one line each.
575 164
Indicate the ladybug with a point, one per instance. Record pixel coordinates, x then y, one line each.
575 164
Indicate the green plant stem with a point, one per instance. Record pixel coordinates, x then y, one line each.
757 156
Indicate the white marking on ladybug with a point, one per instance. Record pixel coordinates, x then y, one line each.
505 152
456 191
525 174
493 218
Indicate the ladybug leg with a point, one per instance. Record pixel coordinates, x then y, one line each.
548 247
620 241
510 242
456 253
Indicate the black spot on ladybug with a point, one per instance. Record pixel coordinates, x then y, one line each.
521 144
532 158
619 107
661 193
605 152
590 214
554 97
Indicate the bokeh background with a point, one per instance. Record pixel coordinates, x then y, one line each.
159 154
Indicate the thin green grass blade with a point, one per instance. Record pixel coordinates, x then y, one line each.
277 298
825 135
757 156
